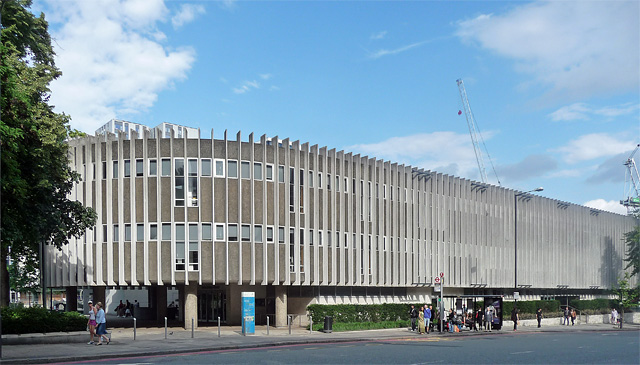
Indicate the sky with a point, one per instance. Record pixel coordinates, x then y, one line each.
554 87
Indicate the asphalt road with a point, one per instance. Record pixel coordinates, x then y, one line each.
592 347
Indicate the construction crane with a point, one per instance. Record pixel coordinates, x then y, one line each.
476 137
631 184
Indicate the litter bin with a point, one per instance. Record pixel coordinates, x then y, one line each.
328 324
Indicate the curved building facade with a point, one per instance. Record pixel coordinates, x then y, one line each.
300 224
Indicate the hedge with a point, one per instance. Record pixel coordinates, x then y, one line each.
531 306
18 320
353 313
602 305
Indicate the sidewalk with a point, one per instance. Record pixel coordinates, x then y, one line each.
151 341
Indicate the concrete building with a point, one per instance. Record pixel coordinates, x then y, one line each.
300 224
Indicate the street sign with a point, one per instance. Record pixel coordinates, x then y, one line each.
442 275
516 295
436 288
436 280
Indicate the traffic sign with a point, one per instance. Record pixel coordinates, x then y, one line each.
436 280
442 275
436 288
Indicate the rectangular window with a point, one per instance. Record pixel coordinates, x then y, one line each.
246 233
245 170
153 167
329 181
193 247
384 243
192 191
206 231
166 231
139 167
116 233
301 237
384 191
104 233
115 169
319 180
139 232
153 232
320 238
180 254
269 172
257 170
257 233
179 181
292 175
311 179
346 185
338 239
232 169
127 232
337 183
127 168
281 234
104 170
281 173
310 237
166 167
219 165
233 232
219 232
270 234
206 166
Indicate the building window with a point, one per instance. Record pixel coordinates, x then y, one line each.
166 231
179 181
153 232
116 233
180 254
245 170
206 231
192 193
219 232
311 178
127 168
338 239
166 167
337 183
127 232
153 167
346 185
206 167
269 172
104 233
292 250
193 247
219 165
104 170
281 173
319 238
270 234
115 169
232 169
257 170
257 233
233 232
281 234
310 236
320 180
246 233
139 167
139 232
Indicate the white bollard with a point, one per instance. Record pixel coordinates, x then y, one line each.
218 326
134 328
267 325
165 328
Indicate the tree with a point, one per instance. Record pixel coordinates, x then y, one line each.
35 174
632 238
627 295
24 276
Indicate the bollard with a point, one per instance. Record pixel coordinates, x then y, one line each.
165 328
134 328
218 326
310 325
191 327
289 323
267 325
243 331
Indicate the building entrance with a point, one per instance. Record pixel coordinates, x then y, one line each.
211 305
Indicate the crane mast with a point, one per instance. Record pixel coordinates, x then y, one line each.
631 184
476 137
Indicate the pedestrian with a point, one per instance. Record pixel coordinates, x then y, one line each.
573 317
566 315
120 309
102 325
452 316
427 317
490 313
421 321
614 316
539 316
91 323
479 318
515 318
413 313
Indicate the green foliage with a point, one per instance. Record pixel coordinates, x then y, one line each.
18 320
24 275
354 313
530 306
601 305
632 258
626 294
358 326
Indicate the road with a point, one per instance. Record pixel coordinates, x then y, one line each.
592 347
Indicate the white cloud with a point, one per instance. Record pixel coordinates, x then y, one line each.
446 152
378 36
246 86
112 62
609 206
592 146
186 14
387 52
266 76
582 111
578 48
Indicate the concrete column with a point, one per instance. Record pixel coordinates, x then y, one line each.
99 295
281 306
190 306
160 302
72 299
234 303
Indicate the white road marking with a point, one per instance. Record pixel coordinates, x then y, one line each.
521 352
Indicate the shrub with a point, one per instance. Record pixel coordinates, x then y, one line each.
355 326
595 305
531 306
18 320
358 313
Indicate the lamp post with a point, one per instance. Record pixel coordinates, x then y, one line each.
515 240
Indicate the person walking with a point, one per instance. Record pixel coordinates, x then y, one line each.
413 313
566 316
614 316
91 323
515 318
421 321
573 317
539 316
490 313
102 325
427 317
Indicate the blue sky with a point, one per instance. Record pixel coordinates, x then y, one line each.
554 86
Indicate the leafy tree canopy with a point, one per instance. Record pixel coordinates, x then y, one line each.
632 238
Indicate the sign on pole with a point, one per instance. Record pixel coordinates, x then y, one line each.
442 275
436 280
516 295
